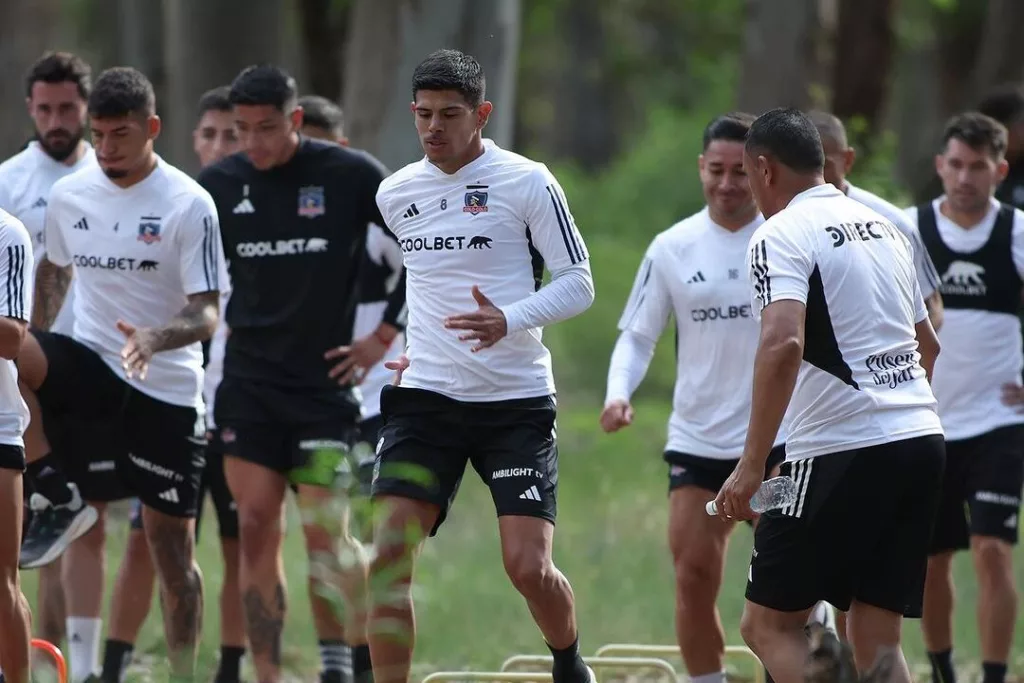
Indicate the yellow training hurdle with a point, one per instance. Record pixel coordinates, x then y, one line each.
636 649
597 663
458 676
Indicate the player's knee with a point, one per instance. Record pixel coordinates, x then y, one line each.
260 534
696 575
994 558
753 630
529 571
95 539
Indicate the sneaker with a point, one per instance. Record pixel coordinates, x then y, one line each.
592 678
824 614
54 528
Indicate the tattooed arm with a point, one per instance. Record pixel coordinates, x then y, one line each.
196 322
52 284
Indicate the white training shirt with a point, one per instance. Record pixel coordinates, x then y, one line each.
927 276
25 182
16 303
138 254
380 249
696 271
981 350
495 223
860 383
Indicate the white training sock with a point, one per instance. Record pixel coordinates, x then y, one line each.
717 677
83 647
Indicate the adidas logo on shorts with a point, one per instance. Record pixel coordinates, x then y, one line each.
530 494
170 495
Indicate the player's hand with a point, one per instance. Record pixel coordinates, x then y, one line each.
1013 396
733 500
357 358
399 367
616 415
486 324
137 350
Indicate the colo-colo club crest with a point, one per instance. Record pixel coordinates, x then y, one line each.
476 199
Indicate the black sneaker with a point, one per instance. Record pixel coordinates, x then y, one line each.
54 528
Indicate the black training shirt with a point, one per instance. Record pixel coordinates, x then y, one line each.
294 237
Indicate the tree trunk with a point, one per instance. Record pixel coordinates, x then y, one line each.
27 29
199 56
779 55
324 27
1001 53
864 50
388 38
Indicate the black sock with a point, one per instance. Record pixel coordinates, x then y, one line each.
568 666
48 480
116 656
942 666
230 668
362 670
993 672
768 677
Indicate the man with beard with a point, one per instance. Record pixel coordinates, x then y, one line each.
977 243
57 88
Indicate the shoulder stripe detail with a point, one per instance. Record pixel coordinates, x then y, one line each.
15 284
636 299
572 243
759 264
210 270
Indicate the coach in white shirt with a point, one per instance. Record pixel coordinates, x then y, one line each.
842 319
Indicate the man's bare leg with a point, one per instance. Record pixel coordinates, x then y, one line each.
50 599
873 633
259 494
172 546
778 639
84 571
997 603
129 605
398 537
15 617
937 617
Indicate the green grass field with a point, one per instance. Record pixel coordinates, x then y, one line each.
610 543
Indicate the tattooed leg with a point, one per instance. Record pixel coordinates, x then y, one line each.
172 546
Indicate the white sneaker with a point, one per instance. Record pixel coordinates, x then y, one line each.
825 615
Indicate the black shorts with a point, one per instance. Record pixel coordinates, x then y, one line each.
428 438
708 473
259 424
981 490
216 484
12 458
84 449
365 452
859 530
157 447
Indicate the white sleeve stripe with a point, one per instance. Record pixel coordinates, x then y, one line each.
930 273
209 254
636 300
16 282
759 263
568 233
571 222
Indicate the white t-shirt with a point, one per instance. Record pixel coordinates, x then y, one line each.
380 249
927 277
860 383
495 223
138 254
981 350
696 271
25 182
16 303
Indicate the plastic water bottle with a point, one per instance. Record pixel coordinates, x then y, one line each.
775 493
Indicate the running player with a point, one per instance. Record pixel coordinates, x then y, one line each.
144 242
382 270
213 139
693 270
977 243
294 214
839 160
842 319
15 304
477 224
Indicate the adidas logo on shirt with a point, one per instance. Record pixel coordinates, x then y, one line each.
411 211
39 203
170 495
81 225
699 277
244 206
530 494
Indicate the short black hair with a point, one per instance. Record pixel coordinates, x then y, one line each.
733 127
321 112
789 136
215 99
1004 103
977 131
451 70
122 91
58 67
830 127
264 84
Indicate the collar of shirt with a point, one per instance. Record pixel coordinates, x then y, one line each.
823 190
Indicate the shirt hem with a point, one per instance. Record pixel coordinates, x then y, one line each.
481 398
955 435
796 453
